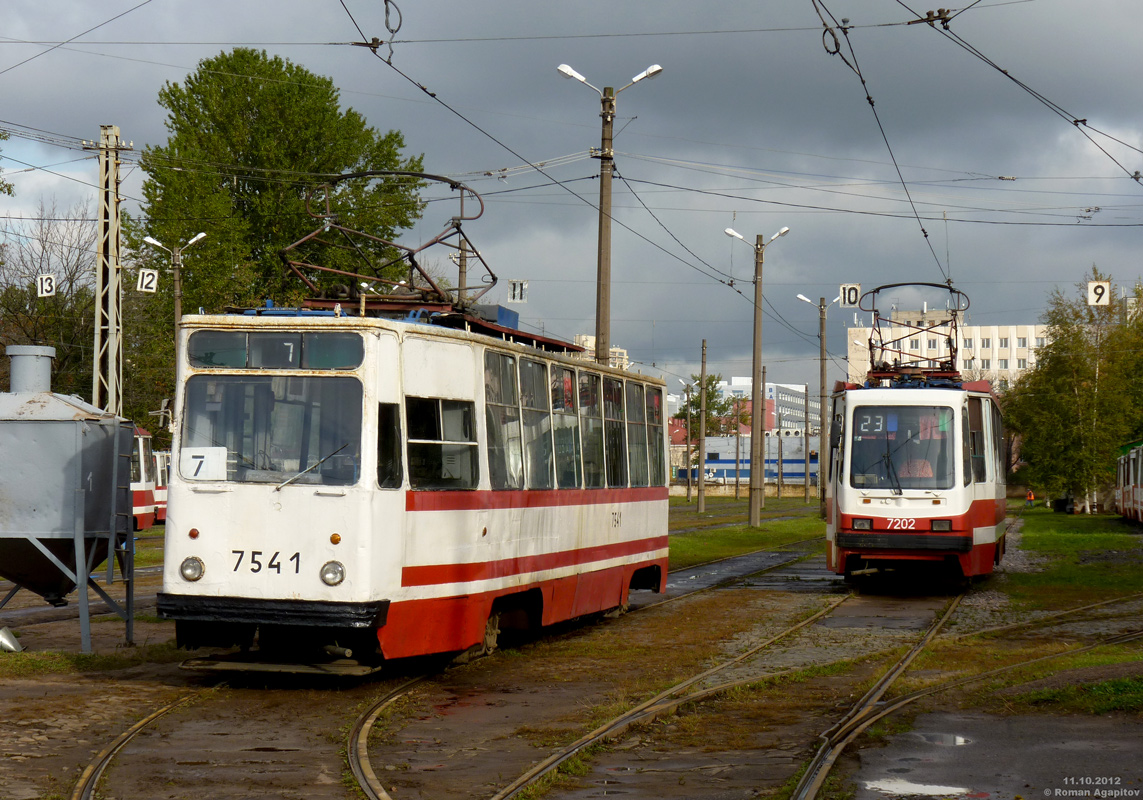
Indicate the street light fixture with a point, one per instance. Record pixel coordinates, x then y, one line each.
757 481
821 306
606 169
176 268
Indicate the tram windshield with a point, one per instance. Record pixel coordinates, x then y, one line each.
902 447
272 429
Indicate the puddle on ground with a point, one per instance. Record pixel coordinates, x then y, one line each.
946 739
897 787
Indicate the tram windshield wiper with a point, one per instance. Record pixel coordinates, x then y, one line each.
892 470
310 468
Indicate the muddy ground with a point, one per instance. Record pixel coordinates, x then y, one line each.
478 726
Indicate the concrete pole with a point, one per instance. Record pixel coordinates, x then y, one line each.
737 446
603 274
757 461
806 442
822 432
689 493
702 435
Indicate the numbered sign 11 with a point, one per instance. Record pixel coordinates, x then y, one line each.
1098 293
148 280
850 295
45 286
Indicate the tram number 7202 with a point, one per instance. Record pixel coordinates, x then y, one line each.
274 564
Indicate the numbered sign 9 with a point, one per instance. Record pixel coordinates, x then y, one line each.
45 286
148 280
1098 293
850 295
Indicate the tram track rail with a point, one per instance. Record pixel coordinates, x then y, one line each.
357 756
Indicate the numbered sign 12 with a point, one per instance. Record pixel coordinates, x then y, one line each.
850 295
148 280
1098 293
45 286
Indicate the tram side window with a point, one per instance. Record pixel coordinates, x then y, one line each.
637 433
614 440
537 424
976 431
389 446
966 439
502 410
442 443
1000 453
655 452
591 423
565 424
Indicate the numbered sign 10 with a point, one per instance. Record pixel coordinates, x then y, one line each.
1098 293
148 280
45 286
850 295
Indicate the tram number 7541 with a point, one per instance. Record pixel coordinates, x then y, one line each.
256 564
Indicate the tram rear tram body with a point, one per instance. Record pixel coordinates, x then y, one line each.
917 465
401 489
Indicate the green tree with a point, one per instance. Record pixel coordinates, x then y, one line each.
720 415
1079 403
250 137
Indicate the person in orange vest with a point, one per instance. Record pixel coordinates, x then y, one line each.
1030 501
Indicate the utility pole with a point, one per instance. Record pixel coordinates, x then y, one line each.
689 492
462 284
822 408
806 442
737 445
107 377
603 272
763 452
702 435
606 158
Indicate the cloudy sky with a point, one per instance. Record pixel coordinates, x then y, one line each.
752 124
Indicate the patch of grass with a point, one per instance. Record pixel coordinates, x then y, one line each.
1104 697
700 547
22 665
1089 558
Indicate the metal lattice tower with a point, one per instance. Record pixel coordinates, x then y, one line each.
107 380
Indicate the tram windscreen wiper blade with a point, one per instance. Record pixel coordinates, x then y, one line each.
310 468
892 470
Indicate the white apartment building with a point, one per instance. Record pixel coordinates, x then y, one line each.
617 358
997 353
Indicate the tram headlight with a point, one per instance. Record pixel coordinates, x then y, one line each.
863 524
942 525
192 568
332 573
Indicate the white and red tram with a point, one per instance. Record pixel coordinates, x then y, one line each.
1129 483
917 466
400 489
142 481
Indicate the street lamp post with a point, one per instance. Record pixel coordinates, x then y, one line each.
757 487
606 169
176 270
821 306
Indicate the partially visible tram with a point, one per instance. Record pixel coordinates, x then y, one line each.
917 463
142 481
393 489
1129 483
162 473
